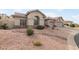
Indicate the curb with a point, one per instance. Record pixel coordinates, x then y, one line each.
71 43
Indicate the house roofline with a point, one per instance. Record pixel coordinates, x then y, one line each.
35 11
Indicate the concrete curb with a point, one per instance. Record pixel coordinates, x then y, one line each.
71 43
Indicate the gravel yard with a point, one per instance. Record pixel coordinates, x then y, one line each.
16 39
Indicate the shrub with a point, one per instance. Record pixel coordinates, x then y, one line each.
66 24
72 25
40 27
4 26
30 32
37 43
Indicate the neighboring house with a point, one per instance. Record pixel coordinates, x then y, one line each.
54 21
31 18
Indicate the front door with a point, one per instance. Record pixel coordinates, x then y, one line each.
36 21
22 23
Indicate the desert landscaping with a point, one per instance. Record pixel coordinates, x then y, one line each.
34 30
18 39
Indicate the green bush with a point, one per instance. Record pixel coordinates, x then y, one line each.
4 26
30 32
66 24
72 25
40 27
37 43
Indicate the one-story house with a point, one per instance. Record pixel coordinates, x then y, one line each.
31 18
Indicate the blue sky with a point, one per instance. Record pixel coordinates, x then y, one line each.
67 14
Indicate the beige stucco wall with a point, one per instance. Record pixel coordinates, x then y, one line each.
30 21
30 18
42 21
35 14
17 22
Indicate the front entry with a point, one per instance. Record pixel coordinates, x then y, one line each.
36 20
22 23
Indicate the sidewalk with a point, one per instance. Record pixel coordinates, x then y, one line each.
71 43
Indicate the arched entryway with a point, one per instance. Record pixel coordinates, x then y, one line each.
36 20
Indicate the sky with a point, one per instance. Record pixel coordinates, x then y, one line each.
67 14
